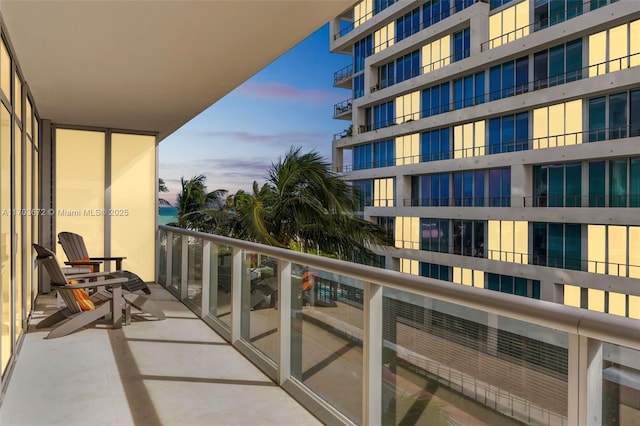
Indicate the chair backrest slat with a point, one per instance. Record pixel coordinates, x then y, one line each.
73 246
70 300
48 258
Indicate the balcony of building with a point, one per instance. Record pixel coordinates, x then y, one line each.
343 77
343 110
352 344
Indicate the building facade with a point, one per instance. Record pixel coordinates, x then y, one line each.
500 142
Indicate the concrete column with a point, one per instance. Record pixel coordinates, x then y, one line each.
479 27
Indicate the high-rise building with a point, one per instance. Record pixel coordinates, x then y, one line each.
499 141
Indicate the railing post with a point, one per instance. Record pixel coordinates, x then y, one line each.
372 355
584 396
206 277
169 271
284 308
184 275
236 294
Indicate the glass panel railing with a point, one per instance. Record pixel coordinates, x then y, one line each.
620 384
449 364
162 257
194 271
176 263
260 317
326 337
220 284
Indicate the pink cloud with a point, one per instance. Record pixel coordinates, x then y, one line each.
285 92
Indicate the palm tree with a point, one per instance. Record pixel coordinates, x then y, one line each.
193 199
304 204
162 187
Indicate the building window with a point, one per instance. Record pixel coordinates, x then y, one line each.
509 79
358 86
383 192
497 3
364 191
551 12
361 50
430 190
514 285
384 153
500 187
614 250
615 116
438 272
558 65
435 100
386 222
362 157
461 45
380 5
407 233
557 125
509 25
407 107
557 185
614 49
509 133
384 37
408 24
469 140
557 245
434 11
380 116
614 183
468 188
436 145
468 277
436 54
408 66
468 237
469 90
407 149
434 235
508 241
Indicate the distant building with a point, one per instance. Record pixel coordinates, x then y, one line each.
500 141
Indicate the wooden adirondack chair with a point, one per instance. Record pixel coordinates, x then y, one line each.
77 255
77 313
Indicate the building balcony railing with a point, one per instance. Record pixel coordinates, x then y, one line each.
341 109
342 76
357 344
592 70
459 202
570 12
593 200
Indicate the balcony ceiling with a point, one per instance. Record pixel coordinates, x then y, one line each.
150 65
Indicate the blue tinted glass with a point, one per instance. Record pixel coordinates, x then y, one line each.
457 93
508 79
391 152
506 284
436 11
556 185
573 247
468 91
556 239
435 100
468 188
415 63
478 191
618 116
597 117
426 102
634 183
522 75
457 188
458 48
535 285
435 145
494 187
574 60
444 97
425 146
494 135
505 175
634 113
493 282
596 184
618 183
495 83
508 133
522 131
435 189
426 14
521 286
556 65
445 144
444 189
573 184
479 89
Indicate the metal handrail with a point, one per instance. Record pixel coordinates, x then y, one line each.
343 74
609 328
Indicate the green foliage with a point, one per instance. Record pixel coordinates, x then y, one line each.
193 200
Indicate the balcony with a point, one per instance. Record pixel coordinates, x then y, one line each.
342 77
361 345
342 110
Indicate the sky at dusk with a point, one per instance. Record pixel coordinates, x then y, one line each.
288 103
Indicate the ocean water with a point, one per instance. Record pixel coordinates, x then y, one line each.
167 215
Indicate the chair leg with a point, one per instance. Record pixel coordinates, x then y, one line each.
55 318
79 320
144 304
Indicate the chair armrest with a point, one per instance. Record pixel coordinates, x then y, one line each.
92 263
115 282
118 261
86 275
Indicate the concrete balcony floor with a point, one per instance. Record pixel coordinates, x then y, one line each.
172 372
